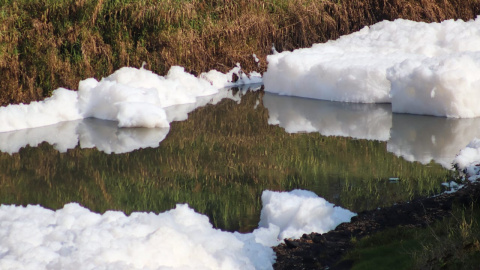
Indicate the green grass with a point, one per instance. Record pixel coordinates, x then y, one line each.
452 243
391 249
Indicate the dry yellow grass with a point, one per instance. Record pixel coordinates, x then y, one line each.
45 44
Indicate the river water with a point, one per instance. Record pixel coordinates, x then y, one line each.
223 156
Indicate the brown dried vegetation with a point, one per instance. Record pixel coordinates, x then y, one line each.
45 44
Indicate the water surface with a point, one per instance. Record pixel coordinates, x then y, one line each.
221 159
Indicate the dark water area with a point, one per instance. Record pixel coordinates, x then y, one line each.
223 156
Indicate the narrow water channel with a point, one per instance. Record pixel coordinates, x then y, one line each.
223 156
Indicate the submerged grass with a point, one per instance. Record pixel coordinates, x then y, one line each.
218 161
45 44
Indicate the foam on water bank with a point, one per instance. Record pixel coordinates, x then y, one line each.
299 212
75 238
420 68
61 106
132 97
104 135
468 160
33 237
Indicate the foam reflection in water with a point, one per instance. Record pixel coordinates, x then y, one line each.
413 137
426 138
360 121
105 135
62 136
180 112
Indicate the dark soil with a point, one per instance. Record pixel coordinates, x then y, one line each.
324 251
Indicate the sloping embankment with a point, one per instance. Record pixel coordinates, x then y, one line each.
325 251
48 44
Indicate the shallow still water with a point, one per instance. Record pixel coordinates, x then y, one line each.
221 159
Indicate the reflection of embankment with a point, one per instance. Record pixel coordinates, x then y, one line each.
413 137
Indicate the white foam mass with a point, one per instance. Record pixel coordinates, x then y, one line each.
61 106
137 97
300 211
75 238
421 68
33 237
440 86
132 97
468 160
104 135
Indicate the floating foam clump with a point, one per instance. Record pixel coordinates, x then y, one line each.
468 160
132 97
300 211
420 68
107 136
137 97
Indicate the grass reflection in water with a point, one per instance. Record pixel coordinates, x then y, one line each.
218 161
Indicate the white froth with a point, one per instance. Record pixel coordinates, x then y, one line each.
132 97
33 237
468 160
75 238
441 86
298 212
107 136
420 68
61 106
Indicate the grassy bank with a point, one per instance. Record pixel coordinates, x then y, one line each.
453 243
45 44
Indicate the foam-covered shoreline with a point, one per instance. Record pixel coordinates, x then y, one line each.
73 237
421 68
130 96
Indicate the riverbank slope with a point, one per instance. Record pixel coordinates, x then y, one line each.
49 44
329 250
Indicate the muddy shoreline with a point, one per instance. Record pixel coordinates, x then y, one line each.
324 251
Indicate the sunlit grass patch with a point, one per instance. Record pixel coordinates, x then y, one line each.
452 243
